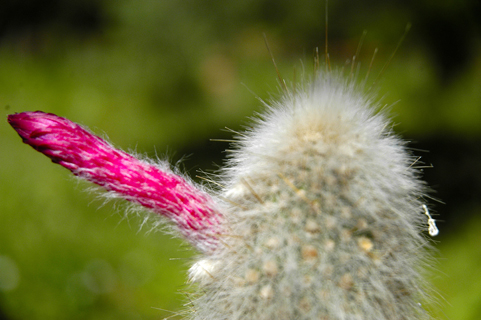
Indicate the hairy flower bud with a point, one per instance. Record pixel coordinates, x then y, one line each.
155 187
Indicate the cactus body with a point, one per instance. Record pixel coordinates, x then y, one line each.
323 213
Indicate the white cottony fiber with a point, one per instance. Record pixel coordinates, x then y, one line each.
323 215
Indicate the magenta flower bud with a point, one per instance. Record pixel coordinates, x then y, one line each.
153 186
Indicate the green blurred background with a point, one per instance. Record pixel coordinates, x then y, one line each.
162 78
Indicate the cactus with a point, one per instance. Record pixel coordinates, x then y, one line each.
320 214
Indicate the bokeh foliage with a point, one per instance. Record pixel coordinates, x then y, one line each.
161 78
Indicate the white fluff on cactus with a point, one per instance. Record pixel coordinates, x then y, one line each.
323 214
320 214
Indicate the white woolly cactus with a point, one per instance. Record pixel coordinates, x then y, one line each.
320 215
323 213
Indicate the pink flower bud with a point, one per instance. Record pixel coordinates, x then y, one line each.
153 186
